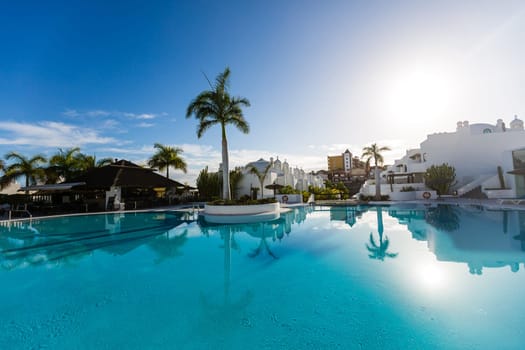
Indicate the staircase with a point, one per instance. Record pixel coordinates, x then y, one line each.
473 186
475 193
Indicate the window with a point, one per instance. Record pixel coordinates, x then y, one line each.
487 131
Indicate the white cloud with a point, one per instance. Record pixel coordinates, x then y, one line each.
144 151
145 125
49 134
145 116
110 124
73 113
98 113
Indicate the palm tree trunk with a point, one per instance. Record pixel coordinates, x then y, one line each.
380 228
378 184
262 188
225 166
167 184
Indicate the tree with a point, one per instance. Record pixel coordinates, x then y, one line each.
440 178
374 152
30 168
208 184
166 157
63 165
70 163
216 106
235 178
90 162
260 175
342 189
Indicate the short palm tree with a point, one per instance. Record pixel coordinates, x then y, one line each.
63 165
30 168
374 152
261 175
87 162
235 179
216 106
166 157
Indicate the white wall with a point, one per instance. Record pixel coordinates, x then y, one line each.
472 155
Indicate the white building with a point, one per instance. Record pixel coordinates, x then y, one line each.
482 155
279 173
10 189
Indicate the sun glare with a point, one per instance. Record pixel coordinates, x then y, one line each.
430 276
419 93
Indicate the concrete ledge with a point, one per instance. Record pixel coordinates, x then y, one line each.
241 209
241 219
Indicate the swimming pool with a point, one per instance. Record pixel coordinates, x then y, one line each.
390 277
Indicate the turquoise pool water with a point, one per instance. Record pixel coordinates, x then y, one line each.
317 278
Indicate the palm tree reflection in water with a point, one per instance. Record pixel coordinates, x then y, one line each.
228 313
275 232
379 250
167 246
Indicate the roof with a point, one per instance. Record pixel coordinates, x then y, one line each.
52 187
124 173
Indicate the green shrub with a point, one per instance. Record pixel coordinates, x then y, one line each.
440 178
371 198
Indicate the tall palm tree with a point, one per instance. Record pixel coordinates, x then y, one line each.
261 175
216 106
29 167
166 157
374 152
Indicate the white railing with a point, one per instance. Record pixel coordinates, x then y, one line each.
25 211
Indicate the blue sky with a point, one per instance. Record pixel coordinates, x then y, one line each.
114 77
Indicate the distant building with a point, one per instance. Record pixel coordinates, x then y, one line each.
341 162
346 169
279 173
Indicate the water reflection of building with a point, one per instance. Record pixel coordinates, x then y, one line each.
348 214
65 239
472 235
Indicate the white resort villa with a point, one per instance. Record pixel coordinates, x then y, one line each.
279 173
489 160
